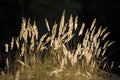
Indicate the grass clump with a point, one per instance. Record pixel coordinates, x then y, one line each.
67 52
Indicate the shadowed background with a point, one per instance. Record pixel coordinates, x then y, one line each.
106 12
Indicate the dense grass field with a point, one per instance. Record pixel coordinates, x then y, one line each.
68 51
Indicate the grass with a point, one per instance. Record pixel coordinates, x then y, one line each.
67 52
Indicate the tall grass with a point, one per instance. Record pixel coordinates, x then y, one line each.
67 52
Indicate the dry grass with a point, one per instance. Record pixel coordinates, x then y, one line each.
60 54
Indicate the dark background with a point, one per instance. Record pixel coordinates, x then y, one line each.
107 13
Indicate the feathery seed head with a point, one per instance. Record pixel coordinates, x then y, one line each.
6 48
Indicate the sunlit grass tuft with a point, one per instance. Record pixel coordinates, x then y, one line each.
67 52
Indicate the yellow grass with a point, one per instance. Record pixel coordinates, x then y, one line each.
51 56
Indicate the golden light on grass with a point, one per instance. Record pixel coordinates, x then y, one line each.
53 52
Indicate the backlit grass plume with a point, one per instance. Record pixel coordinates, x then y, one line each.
68 51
